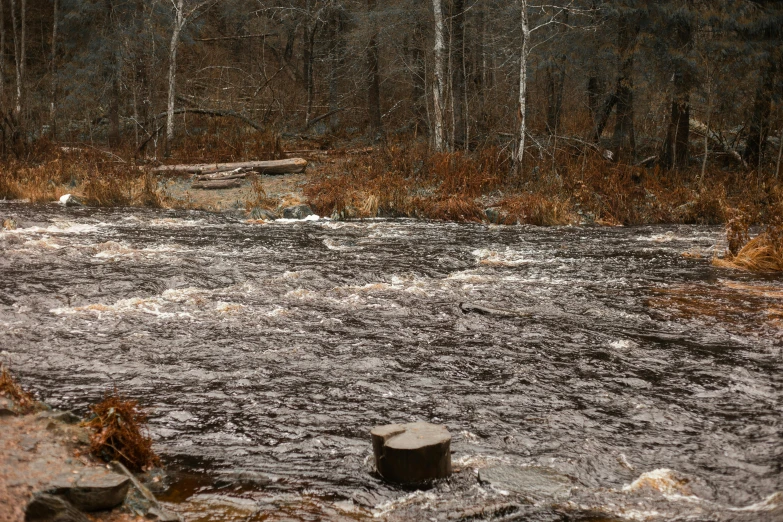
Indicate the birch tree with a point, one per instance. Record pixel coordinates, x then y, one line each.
181 17
550 17
438 84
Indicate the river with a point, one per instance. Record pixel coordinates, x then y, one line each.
648 381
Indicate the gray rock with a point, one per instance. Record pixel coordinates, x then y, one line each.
7 407
92 489
262 213
297 212
49 508
69 200
493 215
412 453
163 515
531 482
66 417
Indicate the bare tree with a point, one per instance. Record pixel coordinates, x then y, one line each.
438 84
181 17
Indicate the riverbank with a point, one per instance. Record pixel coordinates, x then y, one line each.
47 471
406 180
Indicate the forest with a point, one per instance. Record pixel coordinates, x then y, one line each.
618 112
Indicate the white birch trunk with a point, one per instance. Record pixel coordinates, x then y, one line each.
17 60
437 86
53 88
179 22
523 58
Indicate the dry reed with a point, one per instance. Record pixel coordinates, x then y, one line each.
117 425
763 253
11 389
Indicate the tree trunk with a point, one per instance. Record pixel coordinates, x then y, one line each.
374 84
2 57
458 71
17 60
419 73
336 60
53 71
179 22
762 107
438 84
555 87
624 140
676 145
523 58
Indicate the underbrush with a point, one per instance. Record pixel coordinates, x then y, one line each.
117 425
572 188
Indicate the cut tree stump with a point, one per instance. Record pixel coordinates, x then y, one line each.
412 453
218 184
283 166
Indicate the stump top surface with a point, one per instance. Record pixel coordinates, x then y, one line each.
413 435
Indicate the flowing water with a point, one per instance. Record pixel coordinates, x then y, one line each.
647 381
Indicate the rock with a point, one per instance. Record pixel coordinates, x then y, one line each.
297 212
163 515
49 508
69 200
66 417
7 407
412 453
531 482
92 489
10 224
493 215
262 213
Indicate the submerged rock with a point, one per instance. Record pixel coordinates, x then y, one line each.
412 453
92 489
531 482
297 212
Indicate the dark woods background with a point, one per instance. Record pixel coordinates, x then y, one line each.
669 79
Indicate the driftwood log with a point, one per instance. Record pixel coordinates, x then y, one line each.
230 174
217 184
283 166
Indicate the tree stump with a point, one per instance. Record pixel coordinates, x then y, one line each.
412 453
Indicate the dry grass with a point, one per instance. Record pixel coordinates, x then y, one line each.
763 253
11 389
117 425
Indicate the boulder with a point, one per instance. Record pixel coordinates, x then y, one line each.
297 212
412 453
92 489
262 213
49 508
69 200
532 482
7 407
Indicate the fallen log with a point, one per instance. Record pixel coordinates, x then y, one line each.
283 166
230 174
217 184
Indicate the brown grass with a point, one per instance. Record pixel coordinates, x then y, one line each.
117 425
763 253
11 389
